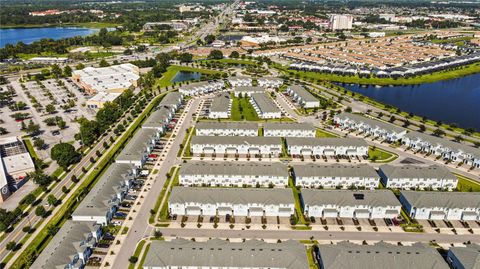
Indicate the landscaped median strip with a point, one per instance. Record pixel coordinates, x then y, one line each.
43 237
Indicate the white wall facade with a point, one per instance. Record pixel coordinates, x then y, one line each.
226 132
241 210
357 211
420 183
374 131
288 133
325 150
275 150
333 182
233 180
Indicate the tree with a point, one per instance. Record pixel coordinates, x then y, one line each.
32 129
65 154
40 211
3 80
458 138
215 54
52 229
234 54
52 200
89 131
103 63
209 39
40 178
3 131
50 108
39 143
185 57
56 71
11 245
422 128
67 71
439 132
80 66
133 259
61 124
28 199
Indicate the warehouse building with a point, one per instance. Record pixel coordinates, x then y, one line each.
432 205
288 129
240 202
433 177
230 174
204 128
360 204
335 176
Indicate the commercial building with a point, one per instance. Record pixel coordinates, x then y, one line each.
368 126
240 81
264 106
467 257
360 204
340 22
112 79
15 165
216 253
245 145
270 82
441 205
70 247
204 128
288 129
244 91
237 202
221 107
199 88
448 150
99 99
229 174
308 146
103 200
418 177
381 255
335 176
140 146
303 97
167 25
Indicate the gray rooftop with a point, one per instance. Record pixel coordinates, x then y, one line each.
236 125
243 89
379 256
322 141
416 171
221 102
234 168
135 149
442 199
237 140
303 93
265 103
97 201
288 126
371 122
231 195
64 245
173 98
434 140
158 118
349 197
334 170
216 253
195 85
469 256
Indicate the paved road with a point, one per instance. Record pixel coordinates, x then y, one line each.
318 235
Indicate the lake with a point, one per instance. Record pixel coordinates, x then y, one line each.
29 35
184 76
450 101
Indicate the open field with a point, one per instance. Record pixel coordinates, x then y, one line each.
243 110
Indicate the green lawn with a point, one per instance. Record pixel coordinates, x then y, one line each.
164 211
137 253
243 110
467 185
166 79
322 133
379 155
142 260
311 260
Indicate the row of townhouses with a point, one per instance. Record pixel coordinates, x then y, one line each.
264 106
270 82
270 129
247 91
303 97
416 141
240 81
221 107
309 146
199 88
245 145
73 244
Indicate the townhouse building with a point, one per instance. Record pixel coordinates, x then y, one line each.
70 247
368 126
221 107
240 81
446 149
288 129
172 100
244 145
199 88
432 205
335 176
308 146
103 200
380 255
216 253
303 97
247 91
234 128
233 174
159 119
464 257
433 177
270 82
237 202
264 106
140 146
360 204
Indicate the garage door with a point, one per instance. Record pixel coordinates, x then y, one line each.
209 150
255 212
351 152
469 215
306 152
254 150
362 214
193 211
391 213
231 150
330 213
329 152
284 212
223 211
437 215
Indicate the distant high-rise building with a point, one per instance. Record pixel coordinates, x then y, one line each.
341 22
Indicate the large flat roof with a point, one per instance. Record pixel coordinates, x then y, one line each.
216 253
334 170
231 195
416 171
442 199
234 168
236 140
350 197
379 256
